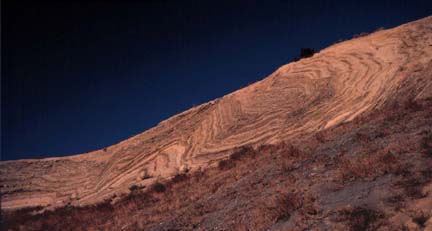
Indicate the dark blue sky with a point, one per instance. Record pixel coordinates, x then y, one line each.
80 76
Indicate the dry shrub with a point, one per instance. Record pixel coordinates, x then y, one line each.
364 138
226 164
361 219
421 219
145 176
369 166
292 151
282 206
427 145
413 105
239 154
158 187
287 151
67 218
134 187
379 29
412 187
268 149
243 152
8 219
198 175
397 201
362 34
304 53
388 163
290 155
137 200
351 170
179 177
320 137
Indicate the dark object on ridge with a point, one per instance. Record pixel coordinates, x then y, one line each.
305 53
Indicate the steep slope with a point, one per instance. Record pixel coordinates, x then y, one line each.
299 99
373 173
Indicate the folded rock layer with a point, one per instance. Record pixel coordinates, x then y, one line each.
301 98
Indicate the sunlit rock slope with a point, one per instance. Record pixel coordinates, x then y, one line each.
299 99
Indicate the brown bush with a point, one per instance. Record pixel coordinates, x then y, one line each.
369 166
226 164
361 219
421 219
8 219
145 176
158 187
362 34
413 105
179 177
427 145
134 187
242 153
284 205
397 201
411 186
238 154
379 29
320 137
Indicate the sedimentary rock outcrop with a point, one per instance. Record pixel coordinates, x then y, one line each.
301 98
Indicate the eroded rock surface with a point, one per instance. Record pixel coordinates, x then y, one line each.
333 87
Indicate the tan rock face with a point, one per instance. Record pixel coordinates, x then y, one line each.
300 98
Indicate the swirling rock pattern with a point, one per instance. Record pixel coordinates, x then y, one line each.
300 98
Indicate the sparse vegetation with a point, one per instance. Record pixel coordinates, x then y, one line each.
238 154
369 166
242 153
362 34
413 105
179 177
421 219
427 144
274 184
226 164
134 187
286 204
320 137
305 53
158 187
145 176
379 29
413 182
397 201
361 219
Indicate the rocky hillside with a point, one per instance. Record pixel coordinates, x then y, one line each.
340 140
